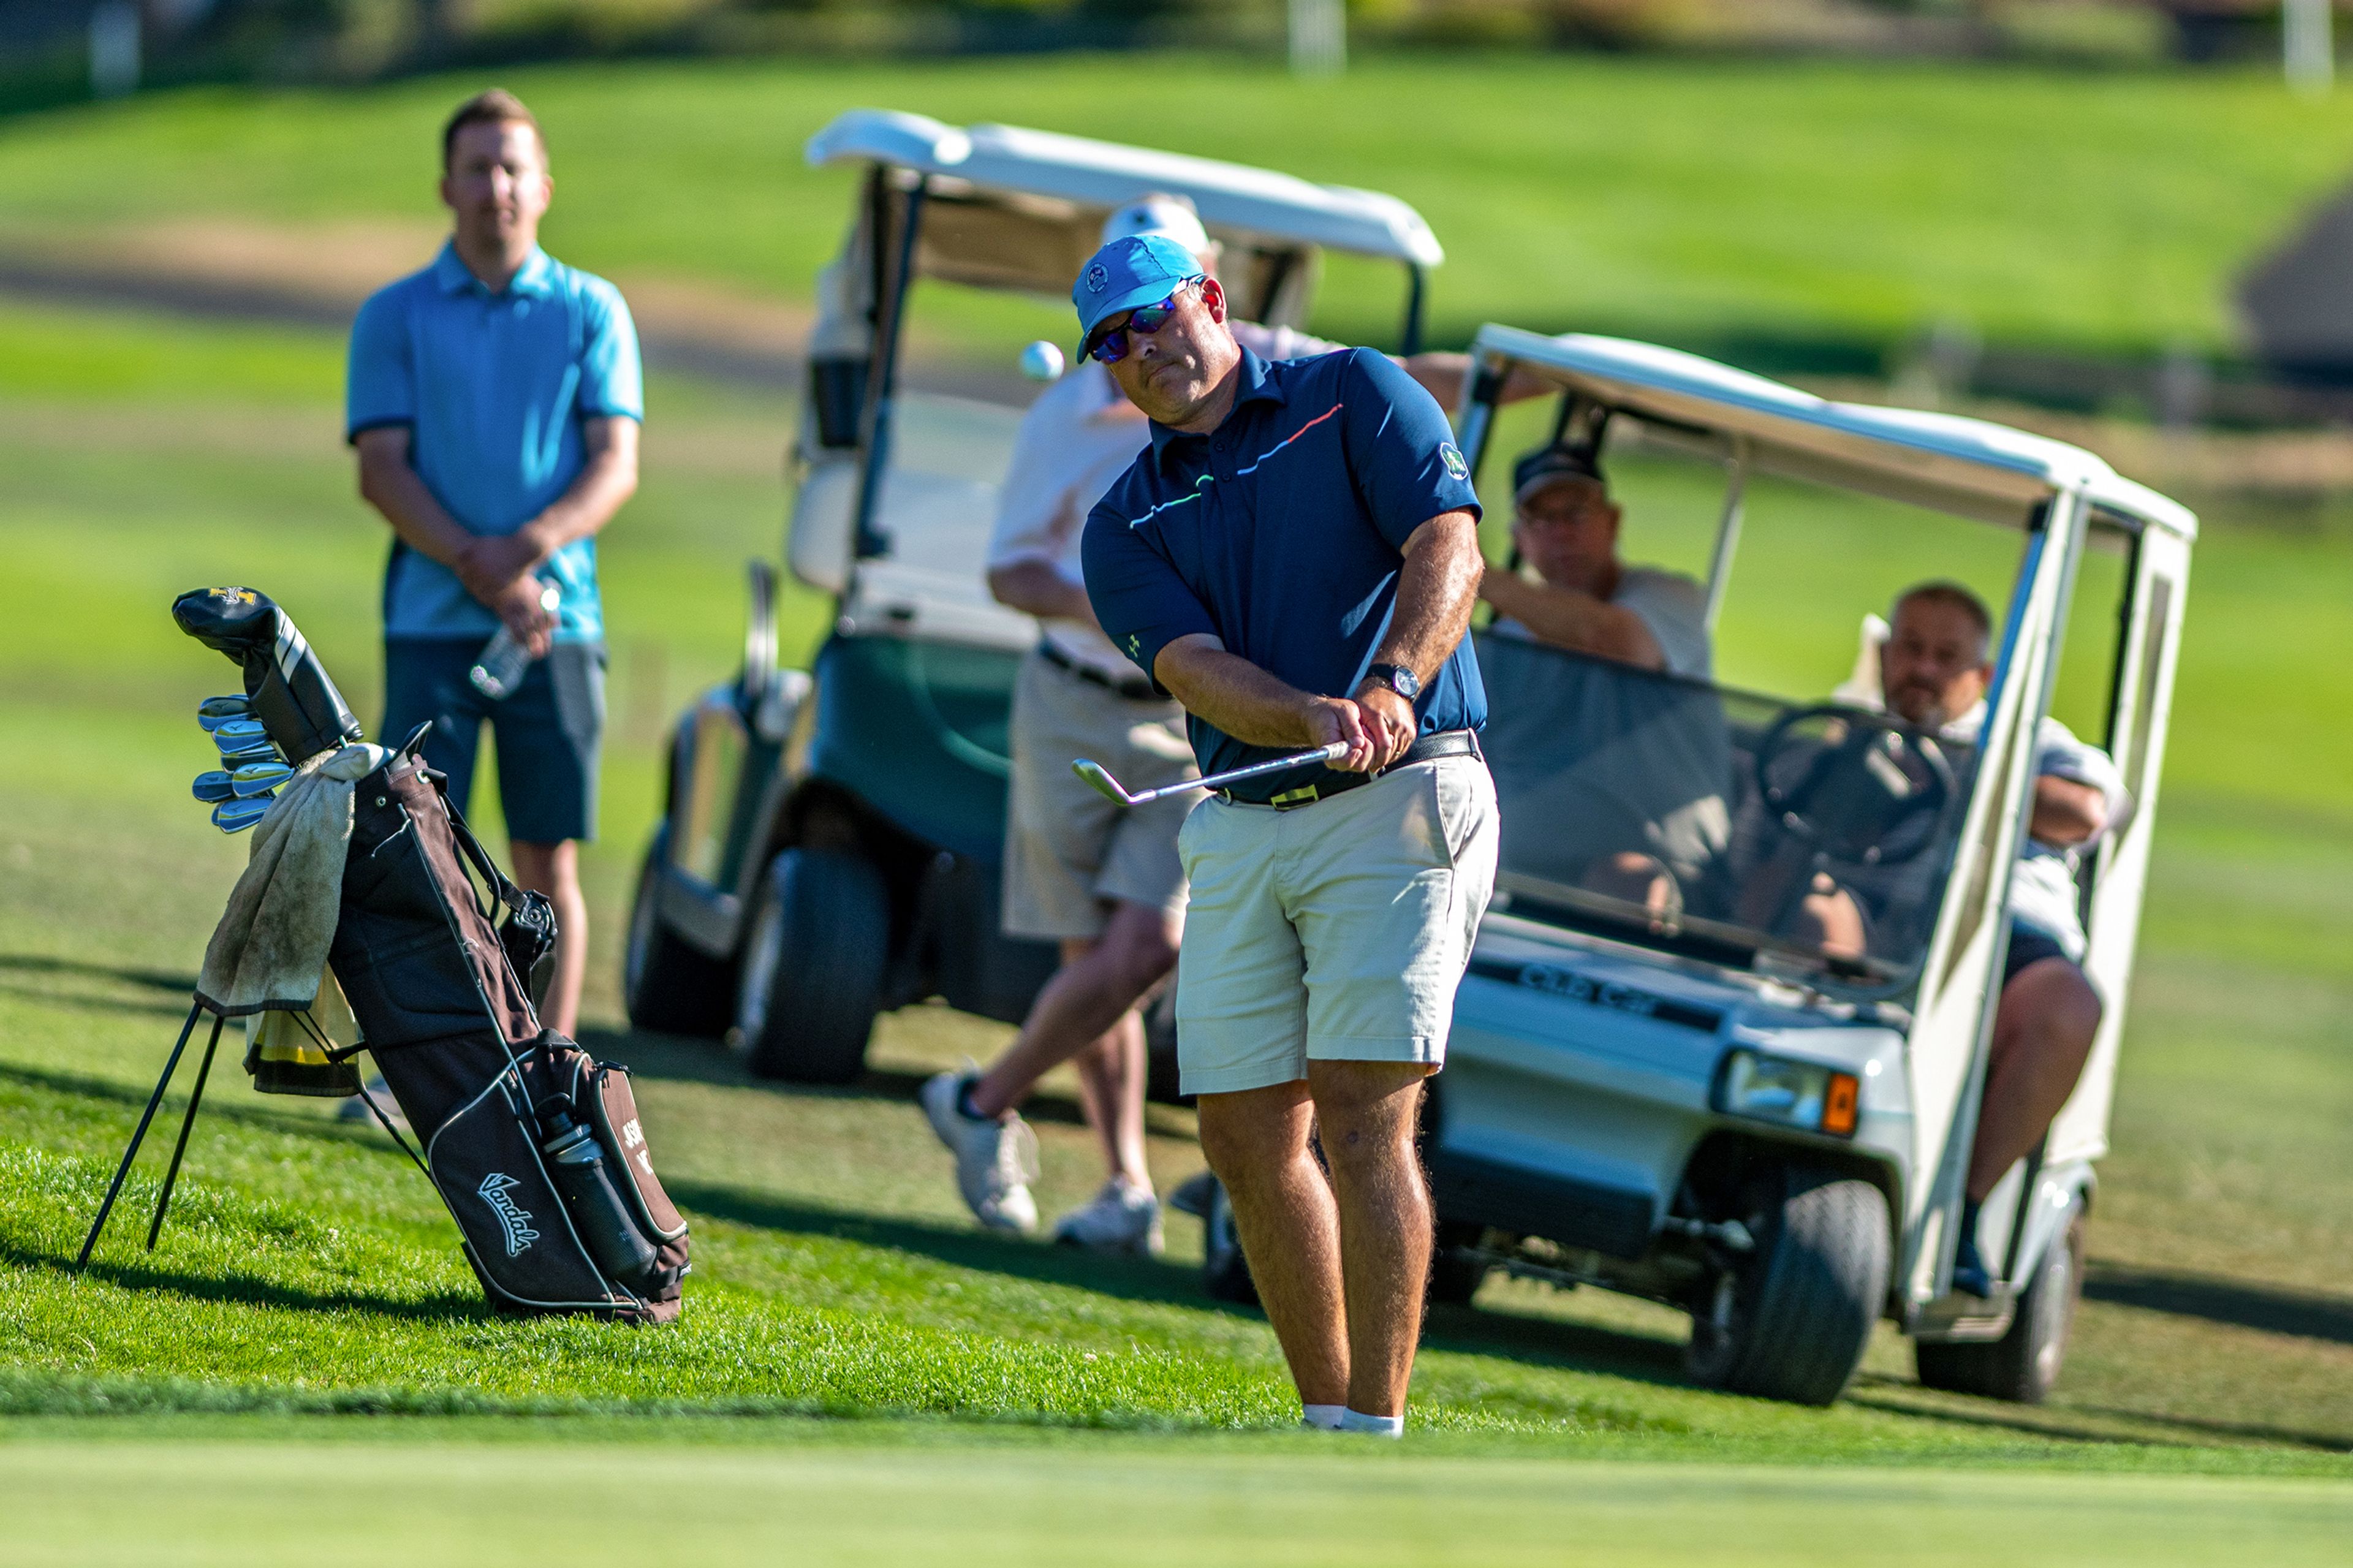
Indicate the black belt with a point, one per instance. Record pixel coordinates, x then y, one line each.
1135 690
1428 749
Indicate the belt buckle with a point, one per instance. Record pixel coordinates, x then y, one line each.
1290 799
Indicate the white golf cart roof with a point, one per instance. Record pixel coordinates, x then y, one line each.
1233 200
1940 460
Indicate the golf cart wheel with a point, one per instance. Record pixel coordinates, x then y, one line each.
1454 1278
2024 1365
1225 1272
1789 1320
666 984
813 970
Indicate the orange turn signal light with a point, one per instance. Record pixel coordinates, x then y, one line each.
1839 1104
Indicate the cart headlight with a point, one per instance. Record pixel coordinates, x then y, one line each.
1795 1094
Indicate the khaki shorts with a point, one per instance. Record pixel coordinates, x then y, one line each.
1335 932
1068 850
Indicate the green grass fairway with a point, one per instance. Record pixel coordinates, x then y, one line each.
261 1503
1707 203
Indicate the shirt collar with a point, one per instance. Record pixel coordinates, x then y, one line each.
1257 385
535 278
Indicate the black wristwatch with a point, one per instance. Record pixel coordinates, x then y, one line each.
1397 678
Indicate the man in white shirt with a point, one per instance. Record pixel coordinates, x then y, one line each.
1935 668
1612 779
1104 883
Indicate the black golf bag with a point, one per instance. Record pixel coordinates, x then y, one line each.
536 1147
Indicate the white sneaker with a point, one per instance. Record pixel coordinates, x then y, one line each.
996 1160
1119 1218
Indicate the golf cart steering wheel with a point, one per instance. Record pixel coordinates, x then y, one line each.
1872 779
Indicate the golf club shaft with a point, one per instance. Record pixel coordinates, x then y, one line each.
1327 755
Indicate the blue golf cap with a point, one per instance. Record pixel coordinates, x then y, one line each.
1141 270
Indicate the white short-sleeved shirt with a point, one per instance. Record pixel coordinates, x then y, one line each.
2043 894
1079 435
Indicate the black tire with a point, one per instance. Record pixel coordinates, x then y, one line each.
1161 1075
811 979
1225 1272
666 984
2022 1366
1453 1278
1790 1320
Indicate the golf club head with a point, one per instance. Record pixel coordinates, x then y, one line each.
1096 775
232 735
259 779
288 688
236 816
232 761
214 712
213 787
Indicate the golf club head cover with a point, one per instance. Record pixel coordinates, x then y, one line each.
292 695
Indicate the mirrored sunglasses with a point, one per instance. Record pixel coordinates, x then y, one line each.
1112 347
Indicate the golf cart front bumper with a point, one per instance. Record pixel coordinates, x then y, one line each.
1581 1081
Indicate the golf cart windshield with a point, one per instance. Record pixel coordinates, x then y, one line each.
1680 815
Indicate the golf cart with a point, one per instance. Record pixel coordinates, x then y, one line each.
1682 1097
831 841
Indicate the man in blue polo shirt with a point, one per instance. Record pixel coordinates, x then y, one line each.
1295 557
495 398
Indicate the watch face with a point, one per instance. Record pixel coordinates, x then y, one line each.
1401 680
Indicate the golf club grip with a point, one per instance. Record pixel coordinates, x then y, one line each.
295 699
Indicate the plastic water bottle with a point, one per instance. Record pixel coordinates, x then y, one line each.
577 1161
505 657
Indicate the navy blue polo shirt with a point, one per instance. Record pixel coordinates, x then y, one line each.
1281 533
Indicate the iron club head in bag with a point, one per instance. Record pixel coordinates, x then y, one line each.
232 761
236 816
1100 777
212 787
214 712
257 779
232 735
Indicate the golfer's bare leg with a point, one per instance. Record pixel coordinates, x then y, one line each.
554 869
1257 1143
1110 1092
1082 1000
1366 1112
2043 1033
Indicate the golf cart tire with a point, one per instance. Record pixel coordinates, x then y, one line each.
1225 1272
813 967
667 985
1453 1278
1797 1315
2022 1366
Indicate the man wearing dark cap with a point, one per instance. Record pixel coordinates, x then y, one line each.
1294 557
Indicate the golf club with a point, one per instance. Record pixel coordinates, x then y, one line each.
239 735
1097 776
214 712
213 787
236 816
265 752
259 779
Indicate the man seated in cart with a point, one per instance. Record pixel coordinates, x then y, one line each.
1612 778
1935 668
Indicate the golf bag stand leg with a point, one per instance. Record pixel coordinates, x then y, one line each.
187 1125
170 1066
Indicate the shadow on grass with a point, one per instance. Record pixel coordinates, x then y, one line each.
247 1290
2241 1303
1900 1397
17 967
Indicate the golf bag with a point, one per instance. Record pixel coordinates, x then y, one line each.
536 1147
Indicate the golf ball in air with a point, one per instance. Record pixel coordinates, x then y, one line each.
1041 361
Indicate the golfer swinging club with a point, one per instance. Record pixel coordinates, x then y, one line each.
1294 558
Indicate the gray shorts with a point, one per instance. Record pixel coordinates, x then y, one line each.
1069 851
1335 932
548 734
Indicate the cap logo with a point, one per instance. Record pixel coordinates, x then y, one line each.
1098 278
1456 468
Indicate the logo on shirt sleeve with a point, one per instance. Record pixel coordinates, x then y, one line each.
1456 468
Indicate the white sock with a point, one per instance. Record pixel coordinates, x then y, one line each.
1323 1417
1379 1426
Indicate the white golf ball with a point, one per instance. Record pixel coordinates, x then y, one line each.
1041 361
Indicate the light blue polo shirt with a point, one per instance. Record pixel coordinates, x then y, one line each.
493 388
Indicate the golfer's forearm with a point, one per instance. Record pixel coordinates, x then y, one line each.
1438 587
608 481
2066 813
1566 619
1037 587
393 488
1235 695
